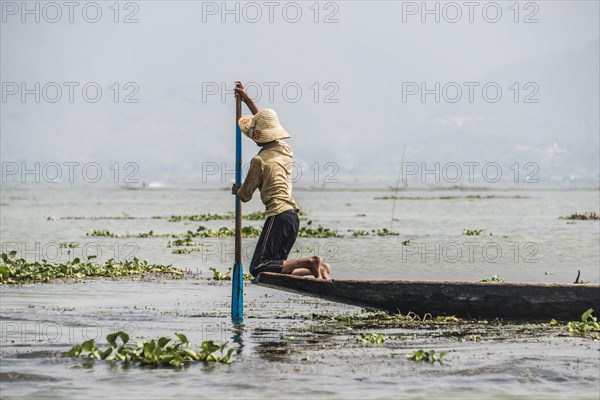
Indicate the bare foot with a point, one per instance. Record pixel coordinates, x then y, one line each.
315 266
325 270
303 266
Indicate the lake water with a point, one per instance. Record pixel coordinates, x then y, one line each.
279 354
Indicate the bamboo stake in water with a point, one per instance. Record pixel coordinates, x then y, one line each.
397 184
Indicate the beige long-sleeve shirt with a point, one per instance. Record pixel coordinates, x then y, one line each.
271 173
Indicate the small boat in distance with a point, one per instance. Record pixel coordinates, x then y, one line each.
131 186
531 301
144 185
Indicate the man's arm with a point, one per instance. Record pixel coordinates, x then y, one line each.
240 90
252 181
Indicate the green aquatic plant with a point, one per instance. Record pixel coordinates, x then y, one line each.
417 198
580 281
344 318
197 217
472 232
587 216
383 316
445 319
200 232
160 352
384 232
19 271
587 326
407 241
249 232
122 216
306 250
203 232
469 197
371 338
494 278
221 276
253 216
149 234
375 232
189 250
378 316
226 276
187 241
491 196
319 232
427 356
68 245
107 233
102 233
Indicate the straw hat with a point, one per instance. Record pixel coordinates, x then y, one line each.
263 127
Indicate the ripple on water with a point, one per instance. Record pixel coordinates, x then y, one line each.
22 377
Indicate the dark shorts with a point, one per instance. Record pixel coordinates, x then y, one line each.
275 242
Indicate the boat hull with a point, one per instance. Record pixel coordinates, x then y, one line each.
532 301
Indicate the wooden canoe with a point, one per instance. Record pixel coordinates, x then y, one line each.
532 301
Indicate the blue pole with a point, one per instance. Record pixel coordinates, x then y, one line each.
237 289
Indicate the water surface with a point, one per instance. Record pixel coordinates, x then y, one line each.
287 347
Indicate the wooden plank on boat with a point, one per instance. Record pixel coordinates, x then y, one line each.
533 301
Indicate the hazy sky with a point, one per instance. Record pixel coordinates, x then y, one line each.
360 74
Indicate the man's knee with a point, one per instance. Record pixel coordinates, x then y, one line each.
275 266
317 260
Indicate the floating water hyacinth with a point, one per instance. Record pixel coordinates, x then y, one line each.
371 338
374 232
253 216
469 197
160 352
587 327
226 276
588 216
200 232
494 278
407 241
187 250
18 271
68 245
183 242
122 216
247 232
427 356
319 232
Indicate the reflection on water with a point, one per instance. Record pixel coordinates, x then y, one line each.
237 337
274 351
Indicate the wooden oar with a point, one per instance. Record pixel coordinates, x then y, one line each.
237 289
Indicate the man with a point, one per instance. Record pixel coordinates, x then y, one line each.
270 172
